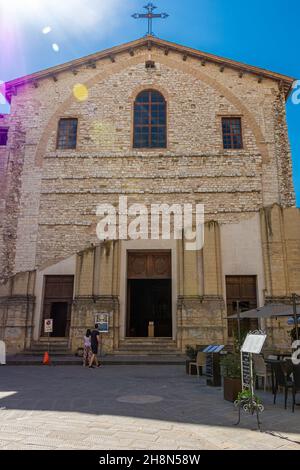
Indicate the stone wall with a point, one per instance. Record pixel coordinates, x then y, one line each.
53 194
49 197
281 249
17 302
200 287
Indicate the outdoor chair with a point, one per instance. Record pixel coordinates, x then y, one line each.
296 383
281 380
199 364
261 370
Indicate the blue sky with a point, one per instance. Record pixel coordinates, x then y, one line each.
262 33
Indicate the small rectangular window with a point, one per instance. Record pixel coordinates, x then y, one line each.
67 133
232 133
3 136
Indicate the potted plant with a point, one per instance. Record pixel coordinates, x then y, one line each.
250 403
231 371
245 397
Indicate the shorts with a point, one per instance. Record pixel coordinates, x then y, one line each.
94 349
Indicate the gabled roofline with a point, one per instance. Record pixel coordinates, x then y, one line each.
285 81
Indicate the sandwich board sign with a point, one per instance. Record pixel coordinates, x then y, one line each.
253 344
48 325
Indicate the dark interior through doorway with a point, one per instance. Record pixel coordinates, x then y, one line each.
150 301
149 294
58 298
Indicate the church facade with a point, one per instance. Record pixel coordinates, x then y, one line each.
157 123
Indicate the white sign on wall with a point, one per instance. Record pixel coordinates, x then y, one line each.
48 325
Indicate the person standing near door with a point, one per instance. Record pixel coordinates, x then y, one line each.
95 340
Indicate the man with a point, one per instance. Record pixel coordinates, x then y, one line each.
95 340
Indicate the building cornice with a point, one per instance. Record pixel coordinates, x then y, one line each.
285 82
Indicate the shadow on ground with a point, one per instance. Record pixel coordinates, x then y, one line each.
163 393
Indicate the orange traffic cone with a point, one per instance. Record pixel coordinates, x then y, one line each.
46 360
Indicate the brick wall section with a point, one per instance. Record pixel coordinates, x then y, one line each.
283 153
10 200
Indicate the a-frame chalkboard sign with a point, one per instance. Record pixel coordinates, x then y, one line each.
247 400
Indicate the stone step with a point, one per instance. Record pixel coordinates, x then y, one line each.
41 352
149 343
147 339
56 346
46 348
45 339
143 353
148 347
52 345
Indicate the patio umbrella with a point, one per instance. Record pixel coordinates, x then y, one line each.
272 311
269 311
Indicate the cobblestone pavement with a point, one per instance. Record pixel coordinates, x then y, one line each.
130 407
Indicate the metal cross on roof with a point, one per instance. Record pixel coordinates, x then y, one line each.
150 16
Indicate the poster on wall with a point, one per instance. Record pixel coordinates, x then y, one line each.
102 320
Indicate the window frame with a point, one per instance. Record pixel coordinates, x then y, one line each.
58 133
232 118
165 126
4 128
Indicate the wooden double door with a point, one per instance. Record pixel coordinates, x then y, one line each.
244 290
149 293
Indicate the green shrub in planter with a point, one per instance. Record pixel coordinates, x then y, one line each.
231 371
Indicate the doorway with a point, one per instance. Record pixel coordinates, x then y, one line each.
58 298
243 289
149 294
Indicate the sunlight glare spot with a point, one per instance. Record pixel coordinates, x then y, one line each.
47 30
7 394
80 92
55 47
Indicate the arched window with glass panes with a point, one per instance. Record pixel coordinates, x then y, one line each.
150 120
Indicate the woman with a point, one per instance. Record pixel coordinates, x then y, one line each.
87 352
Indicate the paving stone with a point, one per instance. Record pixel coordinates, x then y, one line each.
108 426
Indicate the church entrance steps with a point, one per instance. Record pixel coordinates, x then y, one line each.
57 346
148 347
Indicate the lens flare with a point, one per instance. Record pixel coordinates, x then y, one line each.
46 30
80 92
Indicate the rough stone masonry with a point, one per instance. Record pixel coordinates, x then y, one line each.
49 197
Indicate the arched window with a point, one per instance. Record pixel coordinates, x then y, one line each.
150 120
